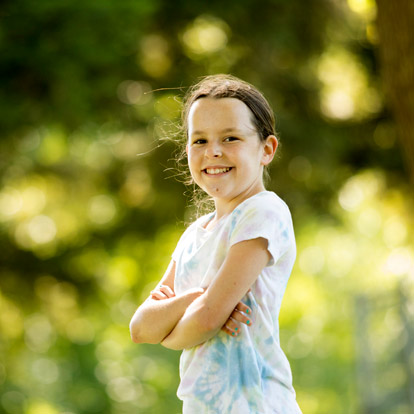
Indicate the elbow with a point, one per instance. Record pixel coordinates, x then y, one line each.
138 336
135 334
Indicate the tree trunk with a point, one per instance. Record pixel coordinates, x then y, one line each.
396 31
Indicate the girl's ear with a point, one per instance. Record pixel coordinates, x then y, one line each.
186 149
269 149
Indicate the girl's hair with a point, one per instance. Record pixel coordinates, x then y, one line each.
225 86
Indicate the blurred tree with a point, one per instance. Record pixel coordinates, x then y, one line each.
396 46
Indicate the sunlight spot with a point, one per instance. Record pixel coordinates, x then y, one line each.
11 320
108 369
136 189
154 57
102 209
34 200
359 188
146 367
122 274
41 407
98 156
127 305
395 231
346 89
149 397
45 370
159 374
108 349
39 334
127 146
365 8
350 196
299 348
10 202
342 252
134 92
308 402
372 33
53 147
369 222
30 141
338 104
400 261
206 35
63 302
309 327
123 389
41 229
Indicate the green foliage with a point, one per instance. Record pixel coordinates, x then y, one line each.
90 210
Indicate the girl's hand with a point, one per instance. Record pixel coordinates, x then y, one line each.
162 292
241 314
165 292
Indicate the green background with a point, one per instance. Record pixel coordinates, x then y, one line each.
92 205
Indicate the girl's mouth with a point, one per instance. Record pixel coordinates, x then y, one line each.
216 171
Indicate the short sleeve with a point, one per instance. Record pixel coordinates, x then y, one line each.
186 236
181 244
266 217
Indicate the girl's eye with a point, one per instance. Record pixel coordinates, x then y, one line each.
231 139
199 141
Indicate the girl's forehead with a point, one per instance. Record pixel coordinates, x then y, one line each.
225 112
211 102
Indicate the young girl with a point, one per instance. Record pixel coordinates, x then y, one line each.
220 297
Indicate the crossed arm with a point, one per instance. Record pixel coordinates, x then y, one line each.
186 320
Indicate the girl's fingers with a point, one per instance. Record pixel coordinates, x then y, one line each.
166 290
157 295
242 313
231 327
243 308
162 292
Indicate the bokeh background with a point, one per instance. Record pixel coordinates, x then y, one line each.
91 204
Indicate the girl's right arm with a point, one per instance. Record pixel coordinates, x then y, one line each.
155 319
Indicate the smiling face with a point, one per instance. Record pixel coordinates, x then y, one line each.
225 154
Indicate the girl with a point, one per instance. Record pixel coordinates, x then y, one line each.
220 297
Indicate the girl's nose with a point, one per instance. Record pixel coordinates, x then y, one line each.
213 150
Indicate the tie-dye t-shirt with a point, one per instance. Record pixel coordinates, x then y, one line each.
248 373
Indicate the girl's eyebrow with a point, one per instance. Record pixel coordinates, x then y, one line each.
223 131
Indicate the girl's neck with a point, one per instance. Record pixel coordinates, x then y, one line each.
225 207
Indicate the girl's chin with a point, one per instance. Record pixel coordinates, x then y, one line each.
212 191
217 193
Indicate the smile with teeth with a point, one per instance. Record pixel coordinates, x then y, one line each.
214 171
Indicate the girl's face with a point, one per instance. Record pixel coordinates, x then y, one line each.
225 154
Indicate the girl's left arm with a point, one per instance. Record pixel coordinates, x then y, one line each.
205 316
